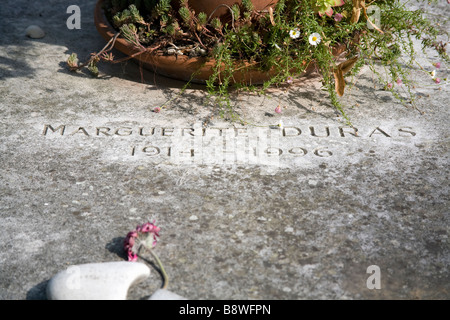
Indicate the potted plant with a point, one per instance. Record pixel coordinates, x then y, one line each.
229 43
190 63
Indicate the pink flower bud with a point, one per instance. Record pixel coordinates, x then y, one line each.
157 109
338 17
278 109
437 80
437 65
399 81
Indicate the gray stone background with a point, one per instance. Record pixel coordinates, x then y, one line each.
307 228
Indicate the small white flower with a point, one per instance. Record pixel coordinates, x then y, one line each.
294 33
433 73
277 46
314 39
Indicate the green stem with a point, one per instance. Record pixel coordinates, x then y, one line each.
163 271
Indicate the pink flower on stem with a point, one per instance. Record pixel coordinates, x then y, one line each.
437 80
399 81
157 109
437 65
389 85
338 17
289 80
145 235
278 109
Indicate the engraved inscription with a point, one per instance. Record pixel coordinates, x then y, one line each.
287 132
221 145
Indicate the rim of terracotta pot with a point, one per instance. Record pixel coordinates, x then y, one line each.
194 69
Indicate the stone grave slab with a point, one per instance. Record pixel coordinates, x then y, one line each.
297 205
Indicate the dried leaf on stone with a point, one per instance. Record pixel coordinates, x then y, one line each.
272 20
356 11
339 82
339 72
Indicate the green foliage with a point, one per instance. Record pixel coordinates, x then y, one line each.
130 15
162 8
92 67
248 5
202 18
236 11
72 62
185 14
130 33
216 23
171 29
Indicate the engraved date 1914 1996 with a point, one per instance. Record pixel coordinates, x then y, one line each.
152 151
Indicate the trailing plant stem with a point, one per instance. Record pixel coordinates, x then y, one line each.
163 271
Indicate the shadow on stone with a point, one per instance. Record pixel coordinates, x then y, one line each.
38 292
116 246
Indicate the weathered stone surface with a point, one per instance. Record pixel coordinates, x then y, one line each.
96 281
253 212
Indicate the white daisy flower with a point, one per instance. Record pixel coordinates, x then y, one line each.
294 33
314 39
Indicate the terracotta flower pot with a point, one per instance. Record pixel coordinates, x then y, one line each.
178 67
210 6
